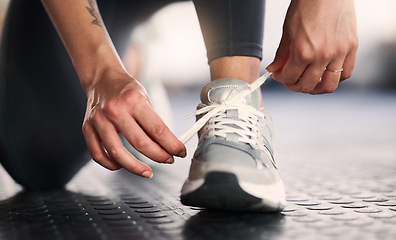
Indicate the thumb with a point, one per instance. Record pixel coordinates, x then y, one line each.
281 57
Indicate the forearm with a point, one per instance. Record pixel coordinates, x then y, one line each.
85 37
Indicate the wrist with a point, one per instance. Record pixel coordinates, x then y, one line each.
95 76
100 62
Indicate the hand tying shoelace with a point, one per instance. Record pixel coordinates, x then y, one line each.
219 109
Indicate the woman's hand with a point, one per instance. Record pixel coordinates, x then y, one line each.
117 103
317 35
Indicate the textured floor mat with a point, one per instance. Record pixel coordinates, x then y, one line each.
340 180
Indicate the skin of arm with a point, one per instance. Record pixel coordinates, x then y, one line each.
117 103
316 35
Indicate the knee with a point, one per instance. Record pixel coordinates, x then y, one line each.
45 172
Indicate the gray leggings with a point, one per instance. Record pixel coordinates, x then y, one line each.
41 102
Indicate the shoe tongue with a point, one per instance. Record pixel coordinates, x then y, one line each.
222 89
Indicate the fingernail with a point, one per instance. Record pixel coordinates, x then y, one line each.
182 154
170 160
269 66
147 174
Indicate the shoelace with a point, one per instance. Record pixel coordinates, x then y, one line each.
241 129
217 110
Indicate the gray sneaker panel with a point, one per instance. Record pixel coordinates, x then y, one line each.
217 149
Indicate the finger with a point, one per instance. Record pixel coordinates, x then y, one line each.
349 65
330 79
96 150
281 57
140 141
114 147
293 70
309 79
156 129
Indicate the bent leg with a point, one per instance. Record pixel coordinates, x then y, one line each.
231 27
41 105
233 34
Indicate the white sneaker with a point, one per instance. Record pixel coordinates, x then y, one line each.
233 167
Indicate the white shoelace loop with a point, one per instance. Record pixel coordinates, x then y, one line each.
218 109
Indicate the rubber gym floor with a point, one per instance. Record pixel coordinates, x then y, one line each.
336 154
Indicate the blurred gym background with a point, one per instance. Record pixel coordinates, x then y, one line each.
339 144
175 35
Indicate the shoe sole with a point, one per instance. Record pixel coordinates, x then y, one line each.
221 190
